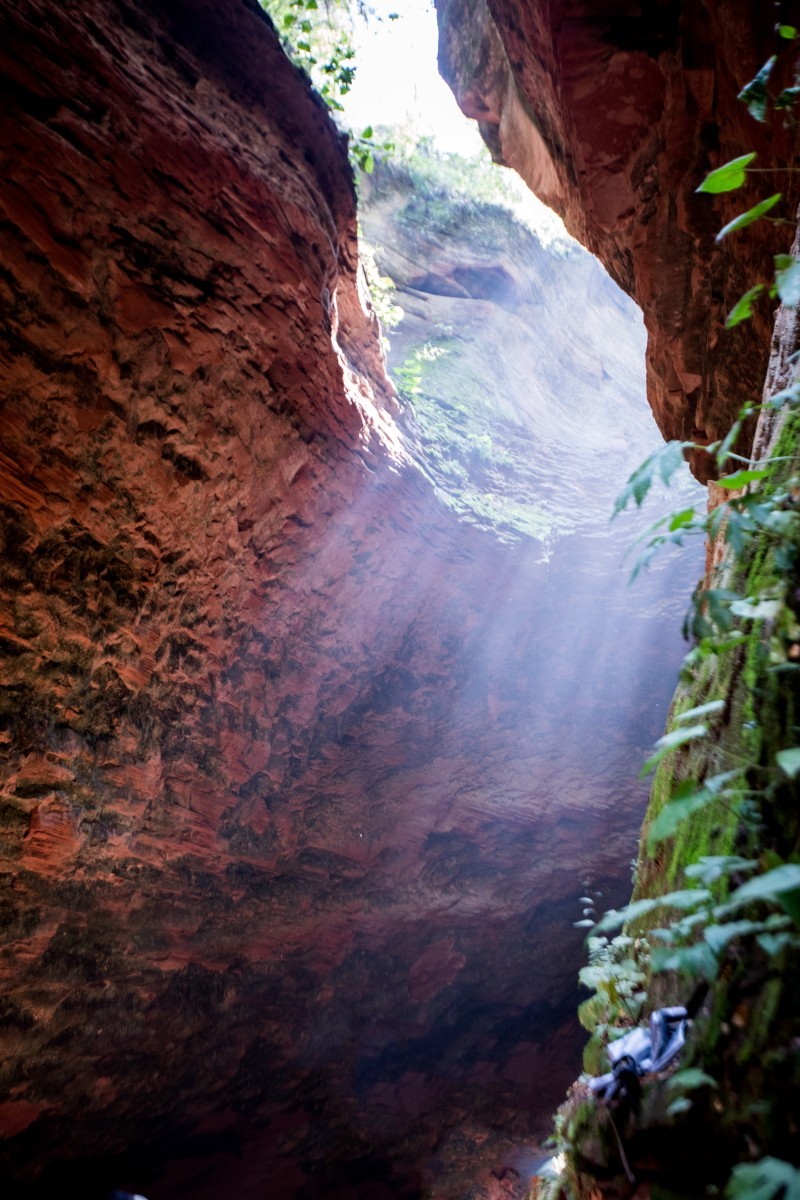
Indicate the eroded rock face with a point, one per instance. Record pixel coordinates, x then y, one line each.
613 115
293 822
521 360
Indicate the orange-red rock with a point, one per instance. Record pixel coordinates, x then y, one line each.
614 115
292 819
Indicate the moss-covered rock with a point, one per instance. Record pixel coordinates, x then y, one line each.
741 1054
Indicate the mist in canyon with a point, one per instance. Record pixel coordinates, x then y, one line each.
323 701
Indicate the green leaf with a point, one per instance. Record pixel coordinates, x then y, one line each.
645 557
725 447
709 709
788 98
718 783
684 927
742 478
776 922
678 737
756 610
747 218
664 462
773 943
787 281
736 533
763 1180
780 521
718 936
743 308
671 741
680 520
780 886
689 898
670 459
689 1079
679 1105
712 867
674 813
688 799
755 95
695 960
728 177
787 31
789 761
367 133
718 601
789 396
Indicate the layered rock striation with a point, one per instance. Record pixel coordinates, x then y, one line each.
614 115
298 796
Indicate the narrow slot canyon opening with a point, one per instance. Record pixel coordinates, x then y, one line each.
520 365
325 699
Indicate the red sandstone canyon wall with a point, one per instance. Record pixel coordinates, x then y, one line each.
293 829
614 114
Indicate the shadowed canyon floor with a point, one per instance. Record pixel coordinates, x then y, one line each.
306 761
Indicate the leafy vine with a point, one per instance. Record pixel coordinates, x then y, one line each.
746 895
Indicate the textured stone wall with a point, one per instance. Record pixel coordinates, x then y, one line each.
614 114
292 825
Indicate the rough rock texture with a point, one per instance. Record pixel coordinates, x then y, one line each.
522 362
293 821
614 113
746 1031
